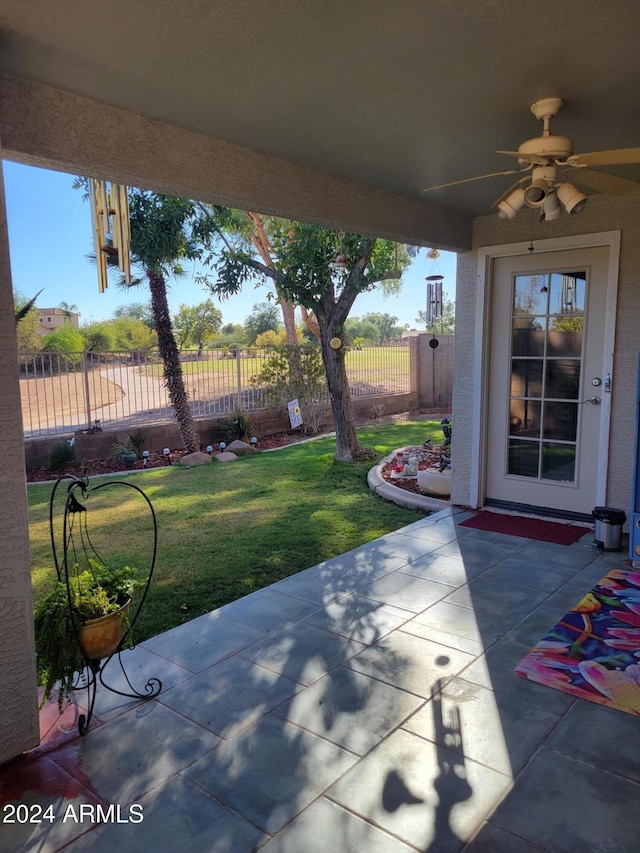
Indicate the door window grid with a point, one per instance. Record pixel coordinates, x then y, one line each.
546 360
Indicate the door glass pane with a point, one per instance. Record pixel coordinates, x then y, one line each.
562 379
524 418
528 336
567 291
561 421
523 458
565 336
558 462
531 294
526 377
547 328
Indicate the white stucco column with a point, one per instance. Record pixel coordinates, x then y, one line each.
18 691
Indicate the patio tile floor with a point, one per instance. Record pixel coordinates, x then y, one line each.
368 704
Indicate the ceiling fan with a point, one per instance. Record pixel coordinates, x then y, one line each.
548 160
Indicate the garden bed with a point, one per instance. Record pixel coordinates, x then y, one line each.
427 458
269 442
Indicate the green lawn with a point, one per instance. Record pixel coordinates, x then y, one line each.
226 530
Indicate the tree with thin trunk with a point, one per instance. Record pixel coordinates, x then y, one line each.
165 231
303 267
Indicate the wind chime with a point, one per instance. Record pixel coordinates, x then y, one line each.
434 295
110 221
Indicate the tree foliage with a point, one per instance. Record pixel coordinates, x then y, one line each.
99 337
28 322
195 325
306 274
133 334
135 311
264 317
271 338
66 339
375 328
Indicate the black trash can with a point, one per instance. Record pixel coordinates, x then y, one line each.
608 528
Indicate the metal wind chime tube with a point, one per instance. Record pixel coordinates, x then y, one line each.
110 225
434 301
434 294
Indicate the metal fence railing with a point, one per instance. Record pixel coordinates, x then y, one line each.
64 392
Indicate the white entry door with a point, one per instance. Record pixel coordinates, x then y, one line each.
546 379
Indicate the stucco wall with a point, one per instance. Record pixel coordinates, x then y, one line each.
19 715
56 130
603 213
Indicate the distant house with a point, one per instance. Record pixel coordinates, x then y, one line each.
52 318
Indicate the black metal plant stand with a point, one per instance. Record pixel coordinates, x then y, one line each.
69 525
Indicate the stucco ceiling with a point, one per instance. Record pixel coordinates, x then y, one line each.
398 95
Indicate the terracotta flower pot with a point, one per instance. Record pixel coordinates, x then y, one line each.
100 637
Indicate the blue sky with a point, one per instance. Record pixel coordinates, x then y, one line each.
50 238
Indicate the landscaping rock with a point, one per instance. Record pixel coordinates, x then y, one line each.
225 456
192 459
240 448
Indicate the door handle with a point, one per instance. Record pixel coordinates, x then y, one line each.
595 401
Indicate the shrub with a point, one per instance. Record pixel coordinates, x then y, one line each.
61 456
237 426
137 441
296 373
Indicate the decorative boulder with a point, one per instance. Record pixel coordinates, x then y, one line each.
226 457
240 448
192 459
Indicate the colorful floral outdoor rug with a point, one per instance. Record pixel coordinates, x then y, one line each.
594 652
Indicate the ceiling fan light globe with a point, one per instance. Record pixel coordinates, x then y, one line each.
536 192
572 199
509 207
551 207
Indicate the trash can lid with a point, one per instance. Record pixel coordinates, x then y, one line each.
610 514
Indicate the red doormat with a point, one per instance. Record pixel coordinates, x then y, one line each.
530 528
593 652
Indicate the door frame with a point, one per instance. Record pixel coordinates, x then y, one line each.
484 279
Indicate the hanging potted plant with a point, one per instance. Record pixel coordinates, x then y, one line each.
84 621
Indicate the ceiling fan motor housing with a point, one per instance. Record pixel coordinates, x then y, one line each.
544 148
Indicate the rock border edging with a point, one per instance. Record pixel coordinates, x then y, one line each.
409 500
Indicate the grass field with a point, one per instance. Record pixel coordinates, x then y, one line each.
226 530
136 385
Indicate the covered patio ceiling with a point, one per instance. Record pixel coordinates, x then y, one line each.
396 96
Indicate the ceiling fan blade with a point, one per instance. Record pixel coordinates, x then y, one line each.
620 157
508 192
602 182
469 180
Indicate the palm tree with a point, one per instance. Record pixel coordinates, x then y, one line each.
68 310
165 231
